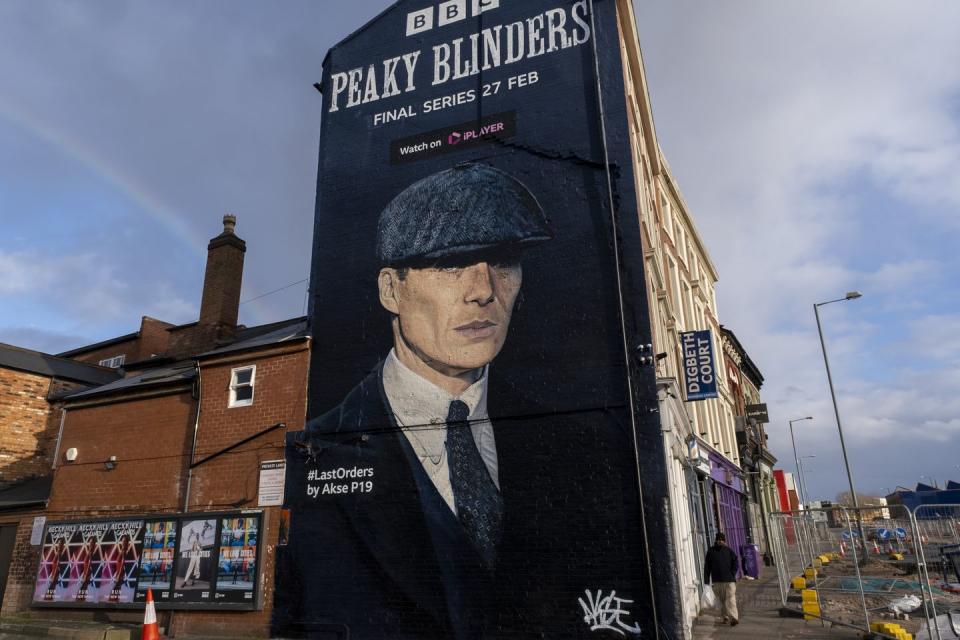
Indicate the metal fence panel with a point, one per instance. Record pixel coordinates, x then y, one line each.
870 569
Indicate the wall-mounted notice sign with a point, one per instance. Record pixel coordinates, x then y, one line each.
699 369
272 474
36 534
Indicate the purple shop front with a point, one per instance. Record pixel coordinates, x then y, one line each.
728 487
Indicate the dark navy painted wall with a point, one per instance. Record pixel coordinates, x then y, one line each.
580 527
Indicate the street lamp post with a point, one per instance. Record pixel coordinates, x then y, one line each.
803 478
796 458
851 295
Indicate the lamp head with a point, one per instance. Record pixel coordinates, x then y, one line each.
853 295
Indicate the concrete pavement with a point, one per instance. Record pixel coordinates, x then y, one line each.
759 605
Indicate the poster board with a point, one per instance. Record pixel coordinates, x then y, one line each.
189 561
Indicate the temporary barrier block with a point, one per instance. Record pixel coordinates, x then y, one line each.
896 556
890 629
799 583
811 611
809 573
825 559
808 595
817 563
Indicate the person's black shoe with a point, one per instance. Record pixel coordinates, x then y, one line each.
734 622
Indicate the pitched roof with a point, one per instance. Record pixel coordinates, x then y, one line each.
183 371
748 366
264 335
24 494
45 364
174 374
98 345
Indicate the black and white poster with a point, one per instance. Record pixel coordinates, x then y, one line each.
195 561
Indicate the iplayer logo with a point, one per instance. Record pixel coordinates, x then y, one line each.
446 13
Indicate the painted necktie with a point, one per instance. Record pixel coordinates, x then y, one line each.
478 502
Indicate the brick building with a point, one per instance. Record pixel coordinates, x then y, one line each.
30 419
200 406
744 380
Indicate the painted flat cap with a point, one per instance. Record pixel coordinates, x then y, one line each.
467 209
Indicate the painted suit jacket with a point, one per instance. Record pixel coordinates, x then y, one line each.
365 563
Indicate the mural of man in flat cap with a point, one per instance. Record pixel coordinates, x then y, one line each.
418 554
452 245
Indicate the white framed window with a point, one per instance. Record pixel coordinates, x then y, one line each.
115 362
241 386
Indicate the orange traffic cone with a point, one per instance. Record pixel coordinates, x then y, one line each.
150 629
876 547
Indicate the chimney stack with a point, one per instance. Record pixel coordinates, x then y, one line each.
220 304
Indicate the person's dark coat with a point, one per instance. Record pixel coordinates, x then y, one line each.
371 562
720 565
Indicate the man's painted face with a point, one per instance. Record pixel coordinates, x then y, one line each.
455 316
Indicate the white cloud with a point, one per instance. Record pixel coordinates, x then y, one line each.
934 338
20 272
84 283
86 291
786 123
894 277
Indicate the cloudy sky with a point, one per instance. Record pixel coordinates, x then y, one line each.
817 143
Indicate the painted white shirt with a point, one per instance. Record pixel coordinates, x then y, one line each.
421 408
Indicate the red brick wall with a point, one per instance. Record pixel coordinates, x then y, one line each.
127 348
231 481
197 338
151 438
23 565
154 338
28 425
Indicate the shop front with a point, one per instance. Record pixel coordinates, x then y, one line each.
728 506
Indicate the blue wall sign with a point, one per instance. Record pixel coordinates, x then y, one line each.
699 368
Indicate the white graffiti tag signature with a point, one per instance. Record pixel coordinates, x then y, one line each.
604 612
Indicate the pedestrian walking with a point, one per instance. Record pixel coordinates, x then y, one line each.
720 567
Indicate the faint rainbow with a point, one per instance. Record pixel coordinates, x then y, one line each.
151 204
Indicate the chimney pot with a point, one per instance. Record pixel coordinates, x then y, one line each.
229 223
